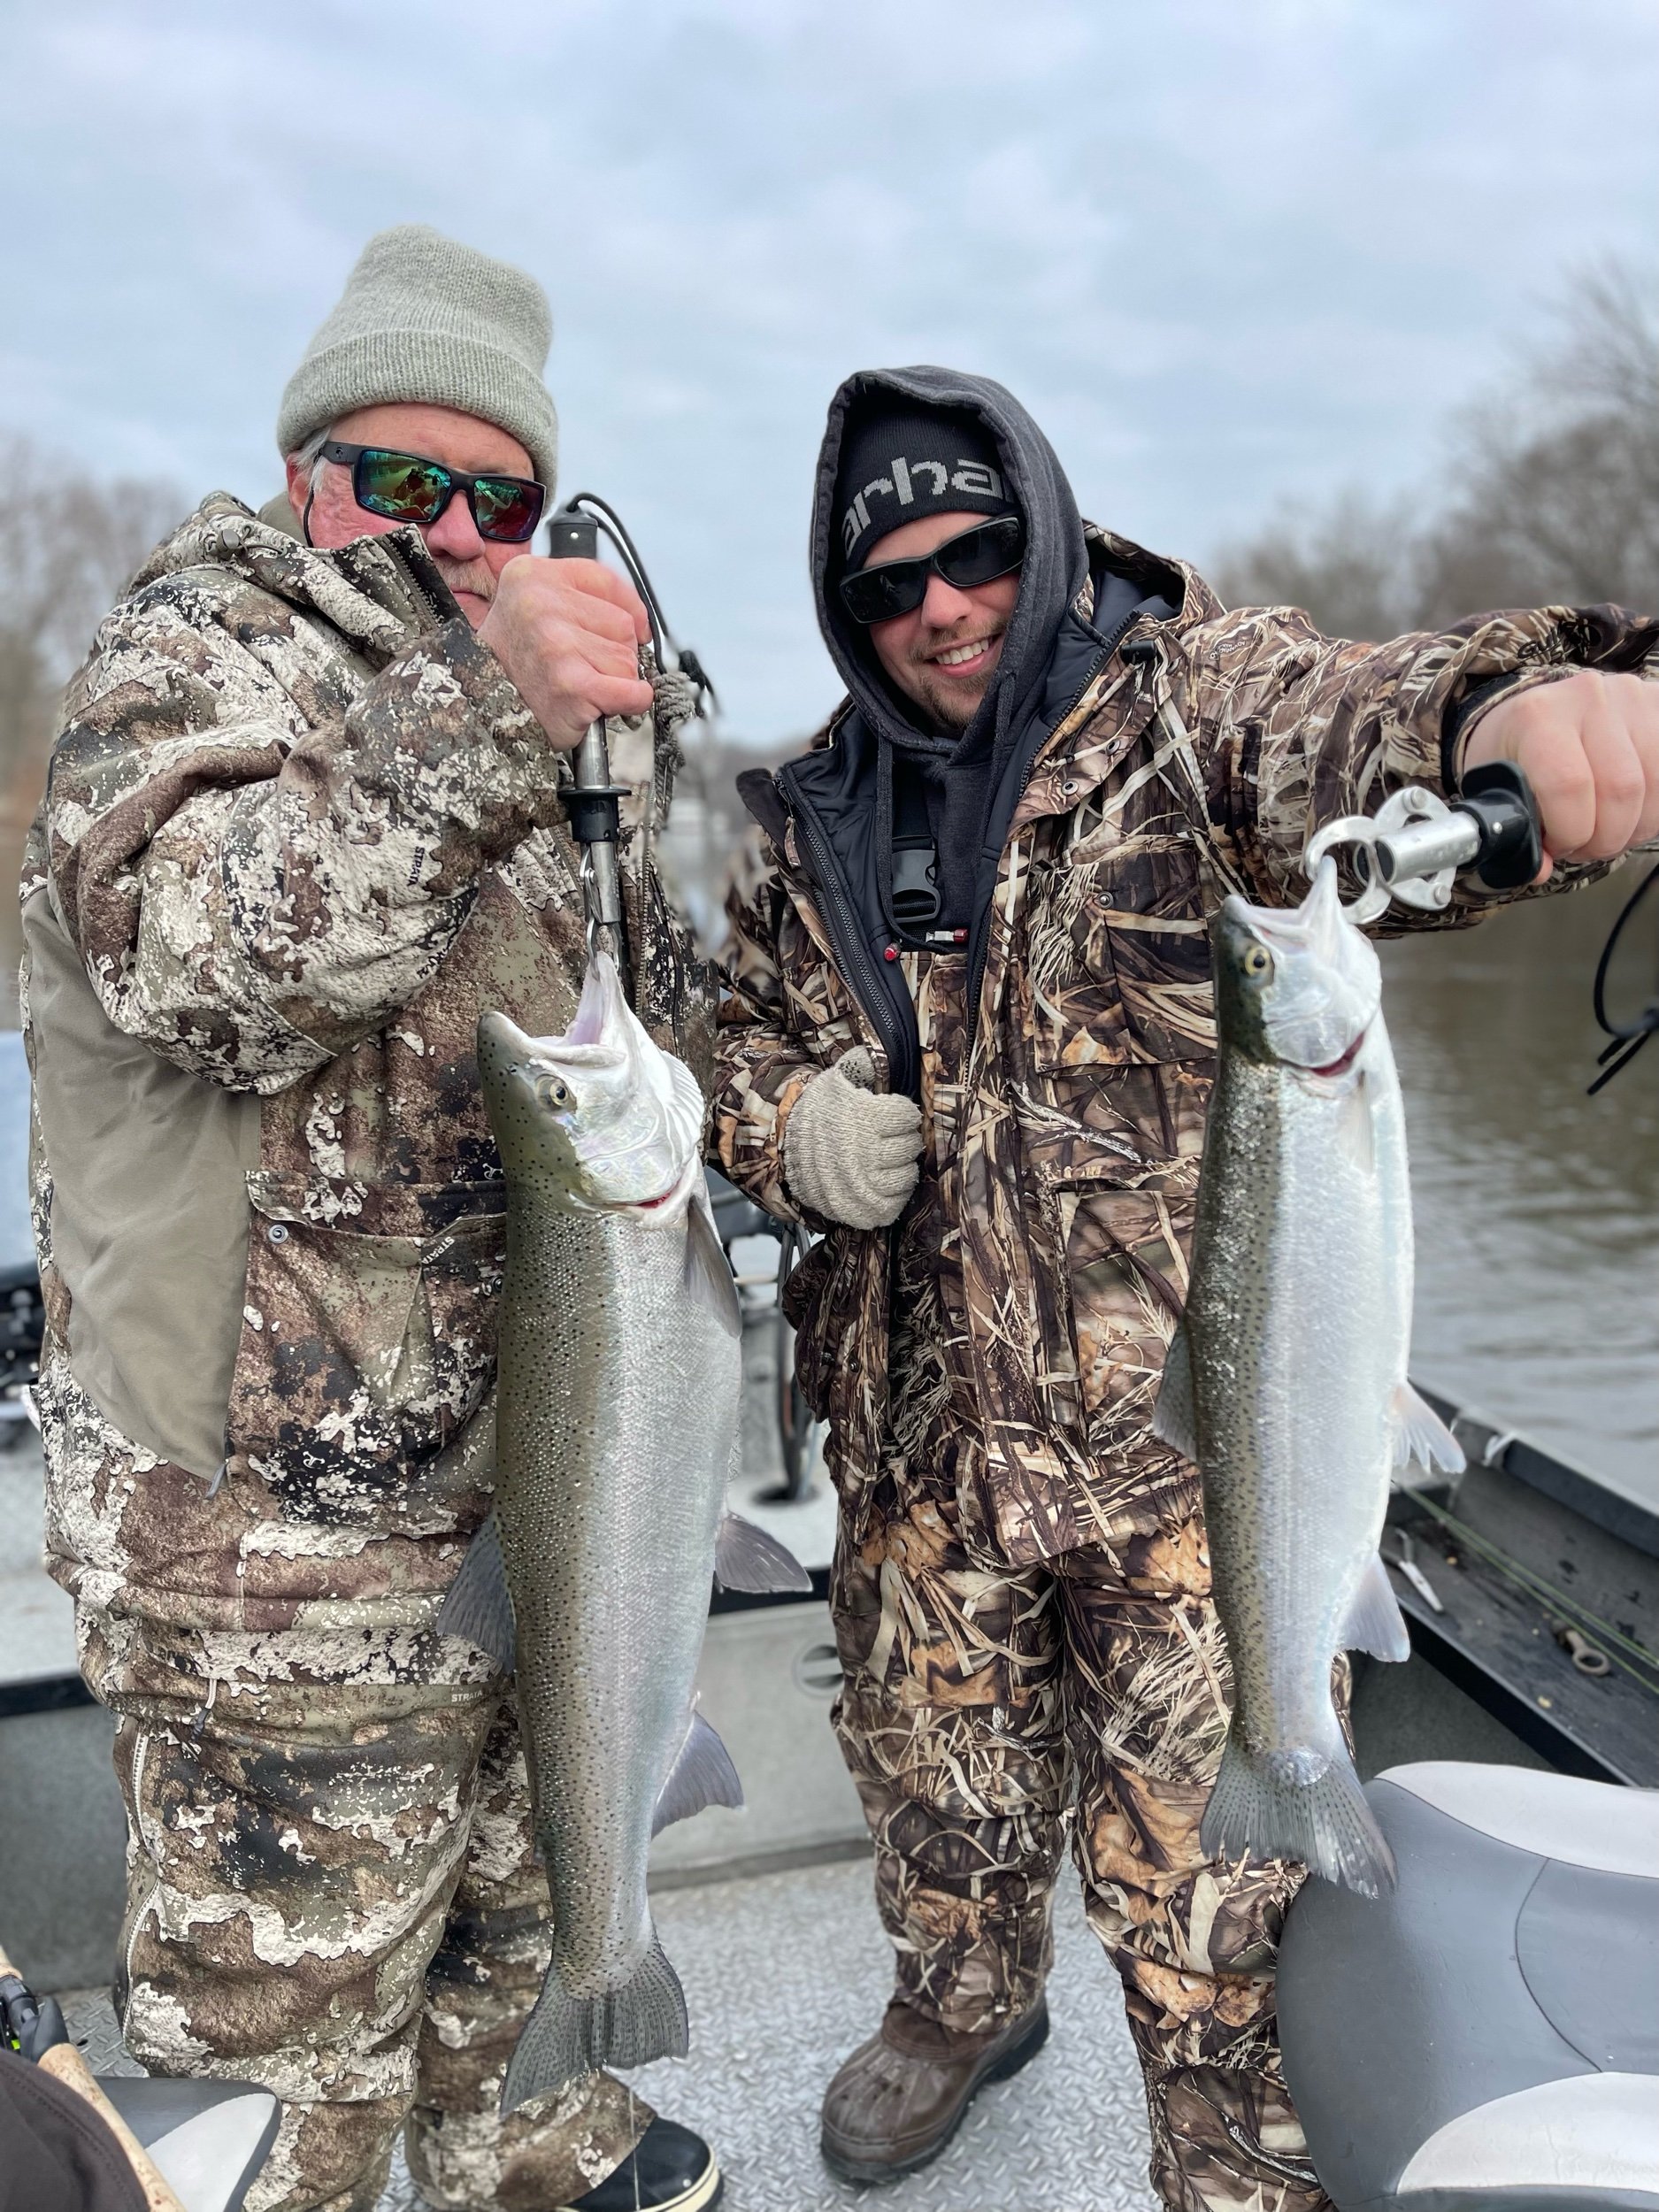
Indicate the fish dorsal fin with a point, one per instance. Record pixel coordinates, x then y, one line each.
1421 1437
480 1604
1174 1420
708 1278
747 1558
703 1774
1374 1622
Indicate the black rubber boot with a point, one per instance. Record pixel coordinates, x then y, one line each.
669 2170
901 2097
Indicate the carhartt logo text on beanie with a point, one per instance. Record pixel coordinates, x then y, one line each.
896 467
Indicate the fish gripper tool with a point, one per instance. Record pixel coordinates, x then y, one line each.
1410 850
592 802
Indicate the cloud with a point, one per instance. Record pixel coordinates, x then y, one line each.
1223 254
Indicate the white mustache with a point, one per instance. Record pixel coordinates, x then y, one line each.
474 576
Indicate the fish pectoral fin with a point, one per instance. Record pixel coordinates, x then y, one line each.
708 1275
1374 1622
1174 1420
480 1604
747 1558
566 2037
703 1774
1421 1436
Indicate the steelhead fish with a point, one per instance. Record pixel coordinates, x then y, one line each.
617 1411
1286 1379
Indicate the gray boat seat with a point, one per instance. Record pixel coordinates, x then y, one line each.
208 2139
1485 2037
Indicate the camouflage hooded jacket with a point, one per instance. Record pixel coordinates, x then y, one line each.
1199 755
298 828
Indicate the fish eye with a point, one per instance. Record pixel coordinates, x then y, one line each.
552 1092
1257 961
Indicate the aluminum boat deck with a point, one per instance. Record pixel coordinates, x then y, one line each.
768 1913
784 1974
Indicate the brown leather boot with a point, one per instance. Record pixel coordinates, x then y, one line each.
900 2098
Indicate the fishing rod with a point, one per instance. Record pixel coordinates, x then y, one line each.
591 799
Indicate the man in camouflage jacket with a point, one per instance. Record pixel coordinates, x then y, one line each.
982 938
301 824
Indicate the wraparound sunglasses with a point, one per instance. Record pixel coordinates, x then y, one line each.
972 556
407 487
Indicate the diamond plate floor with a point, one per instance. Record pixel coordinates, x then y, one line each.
784 1973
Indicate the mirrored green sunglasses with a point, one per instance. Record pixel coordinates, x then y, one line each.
407 487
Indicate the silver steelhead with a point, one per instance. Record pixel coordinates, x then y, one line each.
1286 1381
618 1378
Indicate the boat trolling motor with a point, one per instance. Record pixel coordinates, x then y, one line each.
591 798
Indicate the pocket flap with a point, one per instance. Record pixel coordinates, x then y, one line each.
425 1214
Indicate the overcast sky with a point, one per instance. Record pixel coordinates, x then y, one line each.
1227 251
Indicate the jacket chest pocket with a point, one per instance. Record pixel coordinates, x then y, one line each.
1124 1259
819 1010
1120 956
368 1338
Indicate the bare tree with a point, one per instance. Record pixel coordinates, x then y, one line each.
68 542
1549 491
1352 564
1557 480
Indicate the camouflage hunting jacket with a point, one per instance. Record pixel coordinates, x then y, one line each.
299 828
1198 755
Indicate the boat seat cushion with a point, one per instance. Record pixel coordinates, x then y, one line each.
1486 2035
208 2139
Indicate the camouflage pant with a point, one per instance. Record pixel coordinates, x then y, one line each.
331 1890
983 1705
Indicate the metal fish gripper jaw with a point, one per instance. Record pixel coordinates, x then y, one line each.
1411 850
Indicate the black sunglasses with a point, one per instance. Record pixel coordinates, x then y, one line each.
972 556
407 487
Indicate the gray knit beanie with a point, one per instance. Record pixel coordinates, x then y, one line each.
425 319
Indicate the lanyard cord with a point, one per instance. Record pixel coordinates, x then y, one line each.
1628 1037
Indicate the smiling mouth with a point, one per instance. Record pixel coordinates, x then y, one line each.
956 657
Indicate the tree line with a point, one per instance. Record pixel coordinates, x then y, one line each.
1548 492
68 542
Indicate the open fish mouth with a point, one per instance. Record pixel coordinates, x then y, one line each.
599 988
1344 1061
607 1115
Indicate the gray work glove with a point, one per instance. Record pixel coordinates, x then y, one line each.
850 1153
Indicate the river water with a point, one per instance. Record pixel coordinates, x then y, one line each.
1537 1208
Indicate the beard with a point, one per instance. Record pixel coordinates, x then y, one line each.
952 706
950 701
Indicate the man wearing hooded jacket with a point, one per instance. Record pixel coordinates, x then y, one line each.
981 940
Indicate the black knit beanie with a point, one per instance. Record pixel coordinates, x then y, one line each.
898 465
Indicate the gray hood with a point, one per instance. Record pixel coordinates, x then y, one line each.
1054 569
